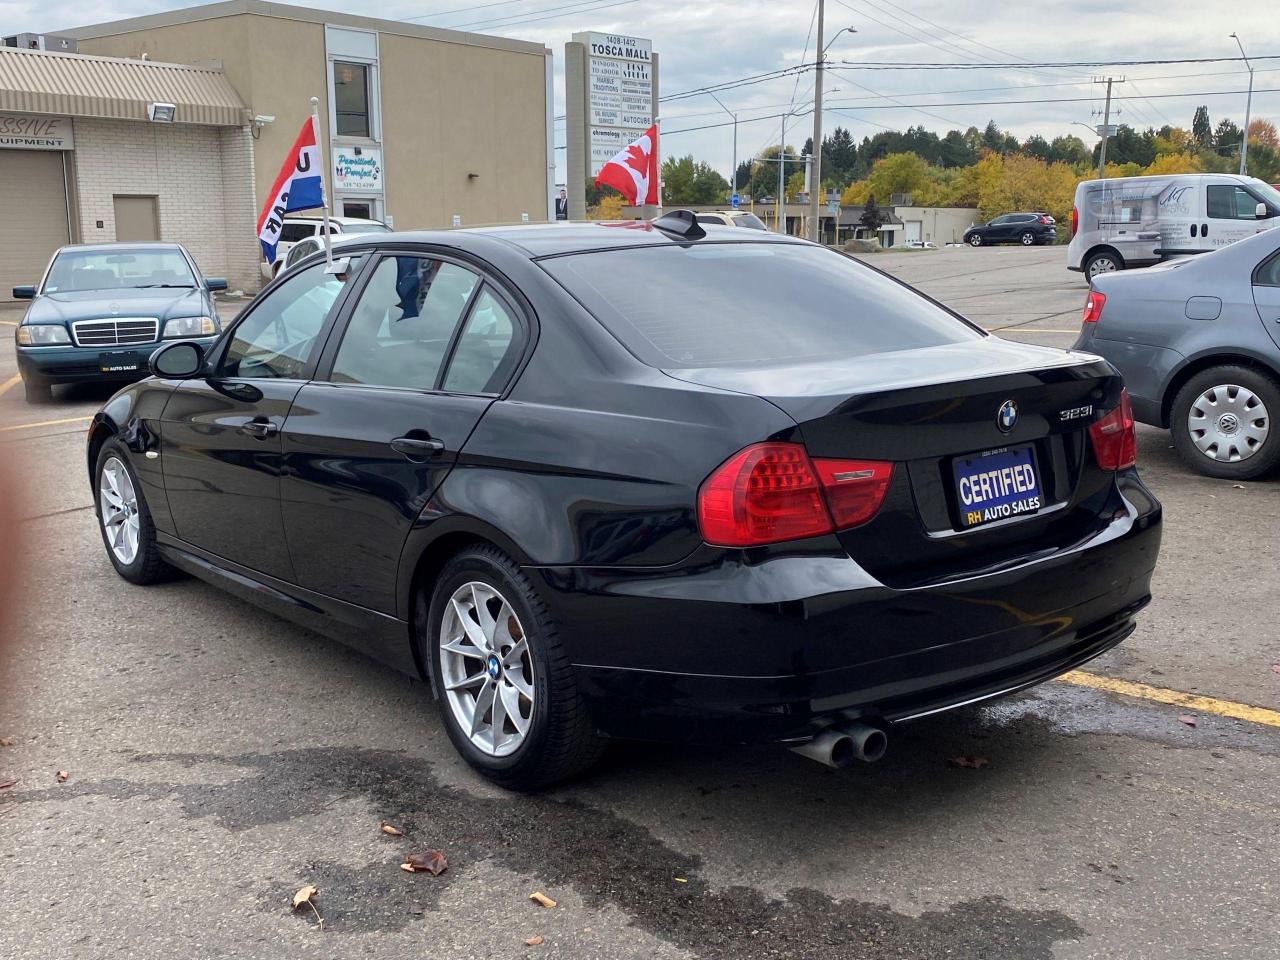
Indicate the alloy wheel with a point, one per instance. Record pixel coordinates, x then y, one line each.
118 508
486 669
1028 239
975 240
1228 423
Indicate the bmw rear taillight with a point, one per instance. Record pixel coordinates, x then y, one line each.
1114 437
1075 221
1093 304
773 492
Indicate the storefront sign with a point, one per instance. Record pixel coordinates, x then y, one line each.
30 132
357 169
619 87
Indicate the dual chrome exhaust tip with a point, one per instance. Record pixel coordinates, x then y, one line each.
840 746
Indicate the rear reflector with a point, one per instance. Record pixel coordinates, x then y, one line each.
1114 437
772 492
854 488
1093 304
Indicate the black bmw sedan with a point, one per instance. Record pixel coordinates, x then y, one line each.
645 480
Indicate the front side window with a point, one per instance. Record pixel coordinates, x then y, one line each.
118 268
400 330
275 340
727 304
293 232
351 99
1228 202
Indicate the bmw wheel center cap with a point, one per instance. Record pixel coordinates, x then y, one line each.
493 667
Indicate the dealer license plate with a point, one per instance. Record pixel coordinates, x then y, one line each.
120 361
996 485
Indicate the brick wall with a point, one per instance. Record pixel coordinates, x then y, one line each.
203 177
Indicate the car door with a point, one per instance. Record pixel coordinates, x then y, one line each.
221 433
427 347
1266 296
997 231
1230 214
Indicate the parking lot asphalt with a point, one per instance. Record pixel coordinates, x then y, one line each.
217 759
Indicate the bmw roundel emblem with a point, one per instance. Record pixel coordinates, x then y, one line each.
1007 417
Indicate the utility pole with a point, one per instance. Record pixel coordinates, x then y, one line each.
779 218
815 158
1248 105
1106 132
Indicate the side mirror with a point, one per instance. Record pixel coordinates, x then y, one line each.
215 283
177 361
1261 211
25 292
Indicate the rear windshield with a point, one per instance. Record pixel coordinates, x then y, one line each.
729 304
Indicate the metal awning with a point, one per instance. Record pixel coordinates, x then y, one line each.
74 85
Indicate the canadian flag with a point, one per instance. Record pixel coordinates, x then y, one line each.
633 171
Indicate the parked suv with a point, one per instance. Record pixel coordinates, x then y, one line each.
1024 228
298 228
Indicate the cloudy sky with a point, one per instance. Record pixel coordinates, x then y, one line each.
702 42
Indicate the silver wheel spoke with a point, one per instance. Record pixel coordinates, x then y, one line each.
494 706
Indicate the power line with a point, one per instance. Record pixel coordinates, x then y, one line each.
522 18
950 48
1073 64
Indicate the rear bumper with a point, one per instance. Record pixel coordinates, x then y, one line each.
727 650
72 364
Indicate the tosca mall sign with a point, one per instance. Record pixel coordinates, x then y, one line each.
619 93
29 132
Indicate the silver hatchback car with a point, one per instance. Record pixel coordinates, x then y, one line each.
1198 343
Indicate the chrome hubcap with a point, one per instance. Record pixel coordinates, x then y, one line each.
1228 423
118 508
1102 265
486 669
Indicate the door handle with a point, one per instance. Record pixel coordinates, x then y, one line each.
1193 229
417 449
259 428
1204 229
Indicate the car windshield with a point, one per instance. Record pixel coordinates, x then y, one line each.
749 220
117 269
732 304
1269 193
350 229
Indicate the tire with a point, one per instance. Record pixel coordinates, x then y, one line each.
1028 239
1102 261
37 391
1222 423
145 565
975 240
559 740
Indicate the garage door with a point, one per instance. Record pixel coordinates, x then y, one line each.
33 207
913 229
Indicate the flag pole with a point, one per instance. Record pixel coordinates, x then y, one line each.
324 166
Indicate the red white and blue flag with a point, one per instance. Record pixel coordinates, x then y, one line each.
300 186
633 171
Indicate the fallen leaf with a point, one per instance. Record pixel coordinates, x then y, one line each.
681 880
303 896
432 862
388 829
61 776
973 763
542 900
1238 486
6 784
5 742
1190 721
533 941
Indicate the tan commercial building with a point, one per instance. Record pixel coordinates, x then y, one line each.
423 127
86 157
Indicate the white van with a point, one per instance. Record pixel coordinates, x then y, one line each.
1137 221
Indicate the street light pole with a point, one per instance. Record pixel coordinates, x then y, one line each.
1248 105
733 180
815 158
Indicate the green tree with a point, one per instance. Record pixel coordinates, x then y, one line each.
1068 149
872 217
900 173
1201 128
1037 146
596 194
1226 136
764 170
686 181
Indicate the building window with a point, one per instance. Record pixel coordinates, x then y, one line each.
351 99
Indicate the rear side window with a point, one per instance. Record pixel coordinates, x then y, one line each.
731 304
1268 274
293 232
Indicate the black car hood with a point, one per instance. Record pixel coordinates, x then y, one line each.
164 303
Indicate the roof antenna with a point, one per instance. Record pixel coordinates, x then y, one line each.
682 223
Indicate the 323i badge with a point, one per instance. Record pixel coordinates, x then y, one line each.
996 484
